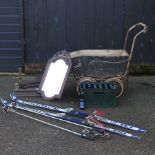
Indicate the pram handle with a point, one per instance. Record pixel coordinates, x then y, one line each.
144 30
139 24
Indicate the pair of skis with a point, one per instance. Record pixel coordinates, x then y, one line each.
87 132
93 120
97 114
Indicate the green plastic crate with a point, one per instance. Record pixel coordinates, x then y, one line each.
99 95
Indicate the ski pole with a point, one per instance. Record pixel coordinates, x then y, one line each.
97 124
88 135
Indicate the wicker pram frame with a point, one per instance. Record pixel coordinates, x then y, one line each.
90 65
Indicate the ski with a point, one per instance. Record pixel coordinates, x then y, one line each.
96 124
14 98
13 105
69 111
93 122
58 116
97 114
86 133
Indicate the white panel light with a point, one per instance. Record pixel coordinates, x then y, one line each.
55 76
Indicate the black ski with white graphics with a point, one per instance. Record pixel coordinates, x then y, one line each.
92 123
96 114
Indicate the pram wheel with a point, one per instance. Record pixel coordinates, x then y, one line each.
84 79
119 83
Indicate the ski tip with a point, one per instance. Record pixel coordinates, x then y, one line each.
13 97
3 101
99 113
143 131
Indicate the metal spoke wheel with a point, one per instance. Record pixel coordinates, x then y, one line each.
119 83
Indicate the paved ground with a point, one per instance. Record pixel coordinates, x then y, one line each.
21 136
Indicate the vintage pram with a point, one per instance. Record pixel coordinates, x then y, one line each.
109 65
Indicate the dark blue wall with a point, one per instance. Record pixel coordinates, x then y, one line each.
52 25
11 38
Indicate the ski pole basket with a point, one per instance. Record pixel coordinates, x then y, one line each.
109 65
